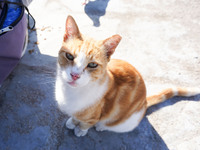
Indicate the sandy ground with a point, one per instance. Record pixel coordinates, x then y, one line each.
160 38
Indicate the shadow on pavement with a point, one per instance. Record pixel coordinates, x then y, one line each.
96 9
144 137
171 101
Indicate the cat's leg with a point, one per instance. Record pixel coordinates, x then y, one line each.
100 127
71 123
80 132
82 128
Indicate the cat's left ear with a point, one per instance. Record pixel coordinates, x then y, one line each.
71 30
111 43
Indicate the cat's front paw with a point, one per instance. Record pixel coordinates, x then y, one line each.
70 124
99 127
79 132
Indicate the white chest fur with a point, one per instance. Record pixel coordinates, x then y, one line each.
71 100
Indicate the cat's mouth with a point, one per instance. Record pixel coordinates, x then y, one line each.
72 83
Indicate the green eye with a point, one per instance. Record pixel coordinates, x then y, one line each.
92 65
69 56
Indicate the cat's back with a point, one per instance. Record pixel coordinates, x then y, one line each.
123 72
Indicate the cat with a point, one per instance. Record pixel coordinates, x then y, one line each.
95 90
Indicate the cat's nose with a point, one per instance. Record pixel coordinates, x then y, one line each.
75 76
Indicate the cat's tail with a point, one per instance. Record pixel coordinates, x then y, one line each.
169 93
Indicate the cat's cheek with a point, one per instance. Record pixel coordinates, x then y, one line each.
96 74
84 80
66 75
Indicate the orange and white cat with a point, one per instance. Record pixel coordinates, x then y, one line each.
95 90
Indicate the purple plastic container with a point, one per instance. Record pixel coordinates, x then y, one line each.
12 44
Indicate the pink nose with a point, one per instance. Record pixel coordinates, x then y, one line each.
75 76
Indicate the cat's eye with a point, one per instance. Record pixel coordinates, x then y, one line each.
69 56
92 65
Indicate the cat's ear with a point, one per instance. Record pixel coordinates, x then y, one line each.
71 29
111 43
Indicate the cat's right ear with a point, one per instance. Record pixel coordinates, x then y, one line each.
71 29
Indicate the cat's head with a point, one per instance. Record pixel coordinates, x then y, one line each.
81 59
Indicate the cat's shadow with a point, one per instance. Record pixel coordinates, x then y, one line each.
95 9
170 102
144 137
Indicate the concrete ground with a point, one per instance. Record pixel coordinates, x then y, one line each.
160 38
